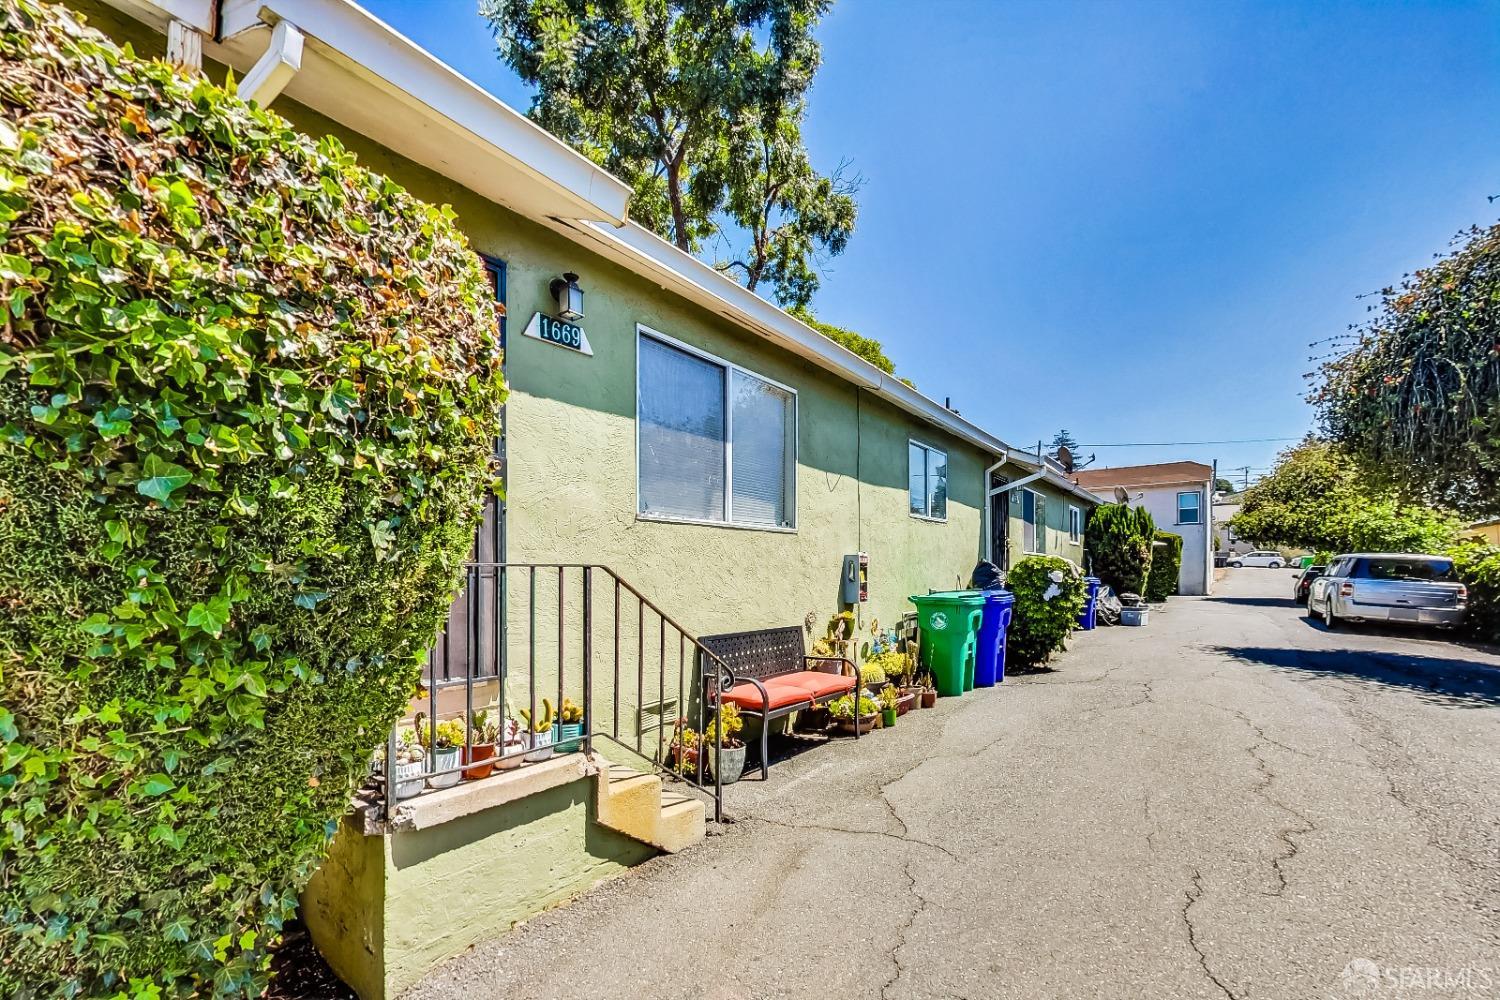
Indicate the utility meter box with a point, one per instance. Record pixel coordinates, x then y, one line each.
855 586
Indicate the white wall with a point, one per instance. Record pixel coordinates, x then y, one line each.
1196 575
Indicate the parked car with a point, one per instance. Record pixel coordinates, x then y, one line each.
1304 583
1389 587
1266 558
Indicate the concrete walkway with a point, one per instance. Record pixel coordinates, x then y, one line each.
1232 802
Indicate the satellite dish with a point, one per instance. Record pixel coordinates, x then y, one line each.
1065 457
1122 495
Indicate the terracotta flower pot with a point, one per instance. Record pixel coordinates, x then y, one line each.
929 698
474 755
906 702
867 723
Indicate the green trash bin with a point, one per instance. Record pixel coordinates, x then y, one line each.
949 622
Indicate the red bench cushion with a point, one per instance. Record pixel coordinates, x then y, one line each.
819 684
779 691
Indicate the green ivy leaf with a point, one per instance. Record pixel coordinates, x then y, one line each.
161 479
158 784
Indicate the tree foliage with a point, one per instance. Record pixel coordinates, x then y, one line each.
698 106
1417 399
1166 564
1064 439
1119 541
248 398
1319 498
866 347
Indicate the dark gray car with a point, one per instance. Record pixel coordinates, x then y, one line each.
1389 587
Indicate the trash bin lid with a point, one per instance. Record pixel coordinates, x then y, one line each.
963 598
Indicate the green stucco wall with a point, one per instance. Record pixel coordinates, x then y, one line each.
1055 510
571 460
386 910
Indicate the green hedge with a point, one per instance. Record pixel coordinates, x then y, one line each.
1166 561
1050 595
1478 566
1119 543
248 399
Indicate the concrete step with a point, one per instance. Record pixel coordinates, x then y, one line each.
635 803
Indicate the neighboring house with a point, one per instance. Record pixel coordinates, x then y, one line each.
1225 506
1177 494
722 457
1488 530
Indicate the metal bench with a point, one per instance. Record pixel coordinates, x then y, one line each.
775 677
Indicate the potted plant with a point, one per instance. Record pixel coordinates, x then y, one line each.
539 732
888 699
511 747
442 743
728 760
484 733
929 690
411 761
570 726
812 719
843 712
872 675
682 752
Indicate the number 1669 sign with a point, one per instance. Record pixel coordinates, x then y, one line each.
559 333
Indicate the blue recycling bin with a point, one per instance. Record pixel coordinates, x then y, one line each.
989 656
1089 617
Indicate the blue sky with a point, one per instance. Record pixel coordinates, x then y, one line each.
1127 219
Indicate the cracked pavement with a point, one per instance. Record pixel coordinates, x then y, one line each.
1232 802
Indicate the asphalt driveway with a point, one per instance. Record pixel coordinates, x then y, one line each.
1231 802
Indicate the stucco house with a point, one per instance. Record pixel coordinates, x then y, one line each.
1178 496
681 458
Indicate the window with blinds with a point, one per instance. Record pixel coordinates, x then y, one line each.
715 442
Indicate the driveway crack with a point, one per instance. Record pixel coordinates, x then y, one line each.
1191 897
911 920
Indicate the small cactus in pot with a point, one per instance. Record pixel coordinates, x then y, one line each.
569 726
539 732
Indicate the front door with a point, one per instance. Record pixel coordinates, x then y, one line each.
1000 524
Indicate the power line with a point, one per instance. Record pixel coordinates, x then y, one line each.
1171 444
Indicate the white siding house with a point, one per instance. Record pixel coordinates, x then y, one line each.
1179 497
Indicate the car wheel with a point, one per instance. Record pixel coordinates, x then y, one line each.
1329 618
1276 565
1236 565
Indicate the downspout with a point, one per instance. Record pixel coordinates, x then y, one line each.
275 68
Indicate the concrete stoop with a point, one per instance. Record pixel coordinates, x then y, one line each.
459 866
637 804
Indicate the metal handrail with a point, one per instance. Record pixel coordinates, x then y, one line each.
478 573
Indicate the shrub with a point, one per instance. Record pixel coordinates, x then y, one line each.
1119 542
1478 566
248 398
1050 595
1166 561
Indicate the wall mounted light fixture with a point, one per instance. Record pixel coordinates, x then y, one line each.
569 297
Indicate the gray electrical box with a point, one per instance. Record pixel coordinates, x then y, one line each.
854 587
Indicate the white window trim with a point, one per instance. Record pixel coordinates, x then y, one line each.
1199 495
1035 506
794 459
941 451
1075 514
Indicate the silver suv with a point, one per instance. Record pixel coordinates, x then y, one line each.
1389 587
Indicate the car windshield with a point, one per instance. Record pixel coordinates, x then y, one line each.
1407 569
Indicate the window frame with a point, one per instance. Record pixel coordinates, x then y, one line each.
1075 524
729 367
927 450
1199 508
1038 523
